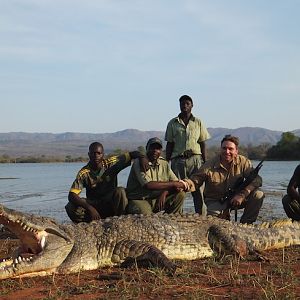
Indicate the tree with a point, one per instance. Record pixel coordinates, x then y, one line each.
288 148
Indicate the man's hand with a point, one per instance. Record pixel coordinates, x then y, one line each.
186 186
179 186
143 160
161 200
237 200
93 213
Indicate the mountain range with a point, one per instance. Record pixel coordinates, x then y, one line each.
76 144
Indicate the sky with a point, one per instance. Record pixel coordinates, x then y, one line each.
96 66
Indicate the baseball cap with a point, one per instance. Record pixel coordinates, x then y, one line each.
185 98
154 140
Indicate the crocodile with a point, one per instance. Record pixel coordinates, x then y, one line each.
47 247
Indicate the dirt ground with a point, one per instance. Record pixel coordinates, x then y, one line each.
201 279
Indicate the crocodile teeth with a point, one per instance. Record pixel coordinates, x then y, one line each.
43 241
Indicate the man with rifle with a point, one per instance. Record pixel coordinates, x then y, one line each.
230 183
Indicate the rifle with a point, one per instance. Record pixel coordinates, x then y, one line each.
240 185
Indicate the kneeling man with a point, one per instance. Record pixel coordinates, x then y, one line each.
220 174
291 201
157 189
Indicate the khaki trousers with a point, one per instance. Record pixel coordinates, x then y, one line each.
173 204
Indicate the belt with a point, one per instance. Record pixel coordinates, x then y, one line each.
184 156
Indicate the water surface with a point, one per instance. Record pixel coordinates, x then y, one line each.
43 188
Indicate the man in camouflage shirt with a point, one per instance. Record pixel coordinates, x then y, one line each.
99 177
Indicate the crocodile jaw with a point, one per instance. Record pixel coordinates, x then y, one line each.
41 251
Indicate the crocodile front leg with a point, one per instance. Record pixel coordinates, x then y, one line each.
223 244
130 252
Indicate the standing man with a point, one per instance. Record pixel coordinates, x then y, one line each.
157 189
99 177
186 136
221 174
291 201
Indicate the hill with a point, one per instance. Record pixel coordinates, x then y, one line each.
75 144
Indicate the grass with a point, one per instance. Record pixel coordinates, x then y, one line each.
213 278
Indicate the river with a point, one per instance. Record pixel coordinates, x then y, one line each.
43 188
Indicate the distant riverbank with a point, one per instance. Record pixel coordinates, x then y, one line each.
33 160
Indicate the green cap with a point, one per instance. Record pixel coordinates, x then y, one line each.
154 140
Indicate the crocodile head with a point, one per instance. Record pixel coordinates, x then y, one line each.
44 244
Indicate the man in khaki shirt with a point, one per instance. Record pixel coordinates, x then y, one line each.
220 174
157 189
186 136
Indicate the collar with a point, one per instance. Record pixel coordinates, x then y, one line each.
157 163
218 163
192 118
96 172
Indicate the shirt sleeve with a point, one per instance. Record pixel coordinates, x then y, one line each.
142 177
77 185
204 134
169 133
115 164
200 176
